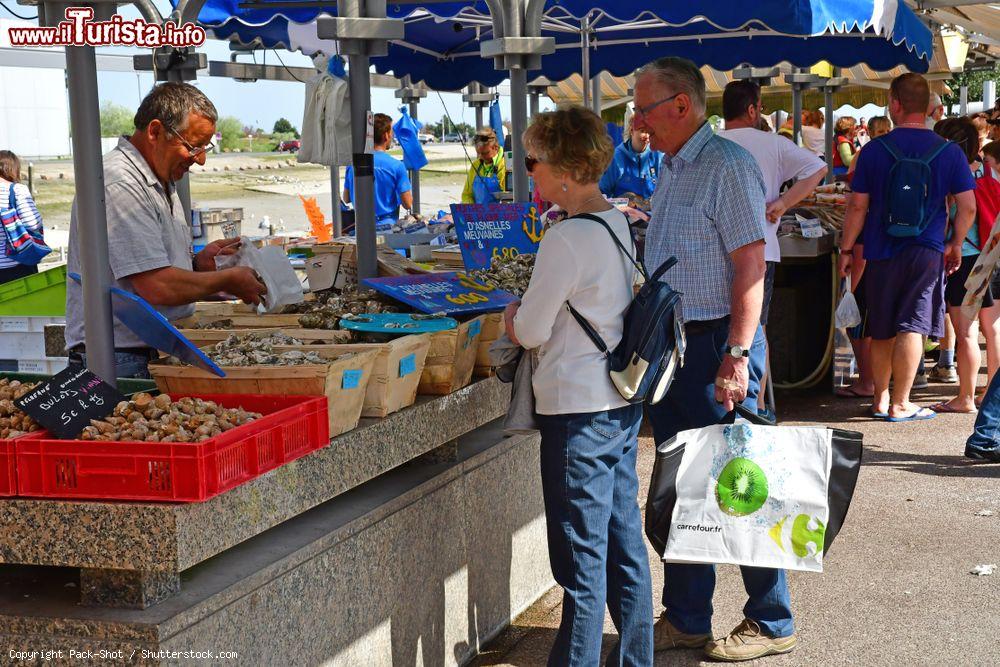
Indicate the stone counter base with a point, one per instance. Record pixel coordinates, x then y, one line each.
422 565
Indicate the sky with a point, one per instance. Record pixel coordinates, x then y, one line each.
260 103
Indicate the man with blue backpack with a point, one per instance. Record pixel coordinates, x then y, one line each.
898 210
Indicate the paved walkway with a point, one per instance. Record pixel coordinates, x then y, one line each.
896 588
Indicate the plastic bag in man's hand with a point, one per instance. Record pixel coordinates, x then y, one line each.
848 315
272 265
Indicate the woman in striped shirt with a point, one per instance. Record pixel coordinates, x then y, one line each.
10 177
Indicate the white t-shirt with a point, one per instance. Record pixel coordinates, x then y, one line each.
578 262
814 139
779 160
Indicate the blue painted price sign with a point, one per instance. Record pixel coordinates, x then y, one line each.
496 230
442 293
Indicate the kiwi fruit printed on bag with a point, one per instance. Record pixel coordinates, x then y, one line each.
748 482
742 487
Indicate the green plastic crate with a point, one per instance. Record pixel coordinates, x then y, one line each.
38 294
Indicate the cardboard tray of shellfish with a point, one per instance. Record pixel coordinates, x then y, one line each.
195 447
342 378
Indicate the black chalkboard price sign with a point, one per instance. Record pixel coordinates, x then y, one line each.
66 403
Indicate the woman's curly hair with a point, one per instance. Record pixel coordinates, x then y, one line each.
572 140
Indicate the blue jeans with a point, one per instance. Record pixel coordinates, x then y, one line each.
986 433
127 364
596 546
690 403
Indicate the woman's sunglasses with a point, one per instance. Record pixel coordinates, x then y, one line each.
530 162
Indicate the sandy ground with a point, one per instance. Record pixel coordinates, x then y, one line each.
262 184
896 589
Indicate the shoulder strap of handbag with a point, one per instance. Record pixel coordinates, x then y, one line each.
587 327
11 199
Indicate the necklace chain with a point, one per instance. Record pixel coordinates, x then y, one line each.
583 204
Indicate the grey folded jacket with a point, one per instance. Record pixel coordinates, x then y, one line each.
516 365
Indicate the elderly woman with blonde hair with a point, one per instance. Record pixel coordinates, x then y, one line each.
589 432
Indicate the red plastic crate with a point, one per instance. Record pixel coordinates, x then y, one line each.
8 469
291 427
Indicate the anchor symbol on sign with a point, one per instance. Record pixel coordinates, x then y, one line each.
536 231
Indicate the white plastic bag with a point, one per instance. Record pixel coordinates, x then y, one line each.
271 263
848 314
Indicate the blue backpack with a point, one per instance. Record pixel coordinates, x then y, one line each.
908 208
651 350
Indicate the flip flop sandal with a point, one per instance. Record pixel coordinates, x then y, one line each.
878 415
944 408
850 392
920 415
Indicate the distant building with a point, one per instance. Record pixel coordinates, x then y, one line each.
34 108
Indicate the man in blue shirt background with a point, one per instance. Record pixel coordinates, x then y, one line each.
904 277
392 183
634 167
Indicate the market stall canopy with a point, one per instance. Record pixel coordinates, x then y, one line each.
724 35
979 23
866 86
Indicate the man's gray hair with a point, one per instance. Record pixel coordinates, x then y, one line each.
679 75
172 103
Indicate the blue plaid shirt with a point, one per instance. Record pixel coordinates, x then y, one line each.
709 202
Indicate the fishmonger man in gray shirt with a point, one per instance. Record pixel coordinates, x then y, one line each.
149 239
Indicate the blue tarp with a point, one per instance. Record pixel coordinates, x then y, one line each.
444 52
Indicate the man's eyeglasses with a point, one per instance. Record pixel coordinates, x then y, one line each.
192 150
646 110
530 162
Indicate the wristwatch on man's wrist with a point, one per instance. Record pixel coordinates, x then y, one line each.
738 352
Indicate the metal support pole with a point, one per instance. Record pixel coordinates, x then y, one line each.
828 132
364 167
335 199
989 94
533 105
585 59
596 95
796 112
963 100
415 173
91 215
518 123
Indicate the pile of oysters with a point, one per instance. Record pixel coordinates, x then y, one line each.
148 419
509 274
253 349
325 312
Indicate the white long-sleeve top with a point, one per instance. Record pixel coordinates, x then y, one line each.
577 262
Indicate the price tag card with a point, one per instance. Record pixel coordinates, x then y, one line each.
351 379
66 403
407 365
442 292
496 230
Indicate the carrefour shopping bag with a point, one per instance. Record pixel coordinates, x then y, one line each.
748 493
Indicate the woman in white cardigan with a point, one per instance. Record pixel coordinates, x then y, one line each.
589 433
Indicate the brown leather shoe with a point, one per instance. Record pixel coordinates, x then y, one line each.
666 636
747 642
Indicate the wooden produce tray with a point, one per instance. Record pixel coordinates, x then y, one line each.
492 328
451 358
395 374
345 395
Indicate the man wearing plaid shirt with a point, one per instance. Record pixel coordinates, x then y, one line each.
708 209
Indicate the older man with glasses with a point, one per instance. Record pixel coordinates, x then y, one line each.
708 211
149 236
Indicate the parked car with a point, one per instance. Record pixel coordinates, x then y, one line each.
454 138
426 138
290 146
